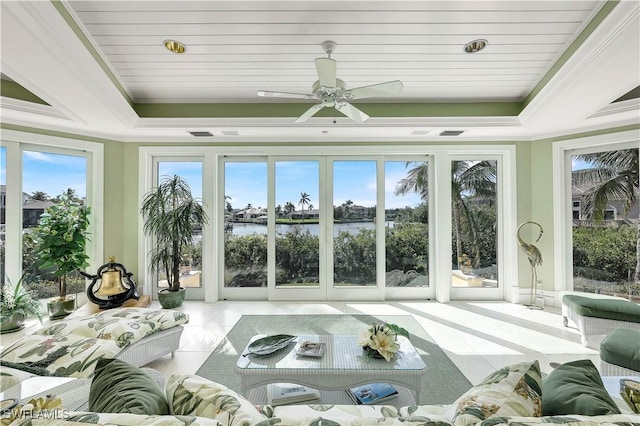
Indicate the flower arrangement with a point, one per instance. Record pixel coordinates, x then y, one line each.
379 340
16 299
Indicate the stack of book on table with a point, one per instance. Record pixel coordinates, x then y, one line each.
372 393
289 393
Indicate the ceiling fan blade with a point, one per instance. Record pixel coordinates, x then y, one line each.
380 89
326 69
352 112
269 94
310 113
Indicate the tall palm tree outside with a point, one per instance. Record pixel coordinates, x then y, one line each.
471 181
305 200
612 176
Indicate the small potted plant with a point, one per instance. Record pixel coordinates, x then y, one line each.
61 238
16 304
171 215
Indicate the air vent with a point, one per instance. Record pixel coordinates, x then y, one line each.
201 134
451 133
419 132
230 132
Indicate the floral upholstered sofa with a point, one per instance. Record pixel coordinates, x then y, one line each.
513 395
72 347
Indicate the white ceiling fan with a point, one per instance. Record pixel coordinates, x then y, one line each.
333 92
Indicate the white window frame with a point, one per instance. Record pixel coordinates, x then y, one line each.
16 142
441 156
562 201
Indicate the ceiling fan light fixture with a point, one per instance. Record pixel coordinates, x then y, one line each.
174 46
475 46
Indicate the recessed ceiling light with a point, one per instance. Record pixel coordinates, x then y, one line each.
174 46
475 45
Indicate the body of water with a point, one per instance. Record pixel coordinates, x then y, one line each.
241 229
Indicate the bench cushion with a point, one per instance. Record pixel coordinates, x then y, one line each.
614 309
622 347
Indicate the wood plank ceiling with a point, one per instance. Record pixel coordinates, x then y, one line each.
235 48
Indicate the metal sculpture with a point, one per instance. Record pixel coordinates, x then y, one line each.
111 286
535 259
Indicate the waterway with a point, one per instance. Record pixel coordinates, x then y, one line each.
241 229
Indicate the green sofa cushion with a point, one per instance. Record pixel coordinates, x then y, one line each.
118 387
614 309
576 388
622 347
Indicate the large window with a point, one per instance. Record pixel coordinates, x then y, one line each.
605 207
245 223
191 256
302 224
38 171
474 223
354 230
47 179
297 211
406 223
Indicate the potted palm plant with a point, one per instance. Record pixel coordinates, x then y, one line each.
171 215
61 238
16 304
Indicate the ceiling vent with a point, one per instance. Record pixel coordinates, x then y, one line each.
230 132
201 134
451 133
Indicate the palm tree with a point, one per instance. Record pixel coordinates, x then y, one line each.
227 203
613 176
304 201
289 208
39 196
470 181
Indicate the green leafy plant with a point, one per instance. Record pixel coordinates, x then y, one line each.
61 238
16 299
172 215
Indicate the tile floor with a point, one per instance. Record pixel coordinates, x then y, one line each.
479 337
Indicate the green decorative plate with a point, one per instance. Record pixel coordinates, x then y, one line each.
270 344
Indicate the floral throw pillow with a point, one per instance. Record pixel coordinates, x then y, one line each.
511 391
196 396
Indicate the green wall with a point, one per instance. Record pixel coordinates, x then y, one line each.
114 206
541 202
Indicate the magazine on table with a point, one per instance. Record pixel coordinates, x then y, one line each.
313 349
289 393
372 393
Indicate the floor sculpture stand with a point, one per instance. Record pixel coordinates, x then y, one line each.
535 259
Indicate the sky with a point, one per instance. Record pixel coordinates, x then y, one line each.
245 182
50 173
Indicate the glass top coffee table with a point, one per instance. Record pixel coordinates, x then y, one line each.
343 365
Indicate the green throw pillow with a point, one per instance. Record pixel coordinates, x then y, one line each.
576 388
118 387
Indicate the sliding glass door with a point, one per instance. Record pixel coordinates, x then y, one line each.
191 264
323 228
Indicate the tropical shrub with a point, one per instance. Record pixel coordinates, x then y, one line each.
610 250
